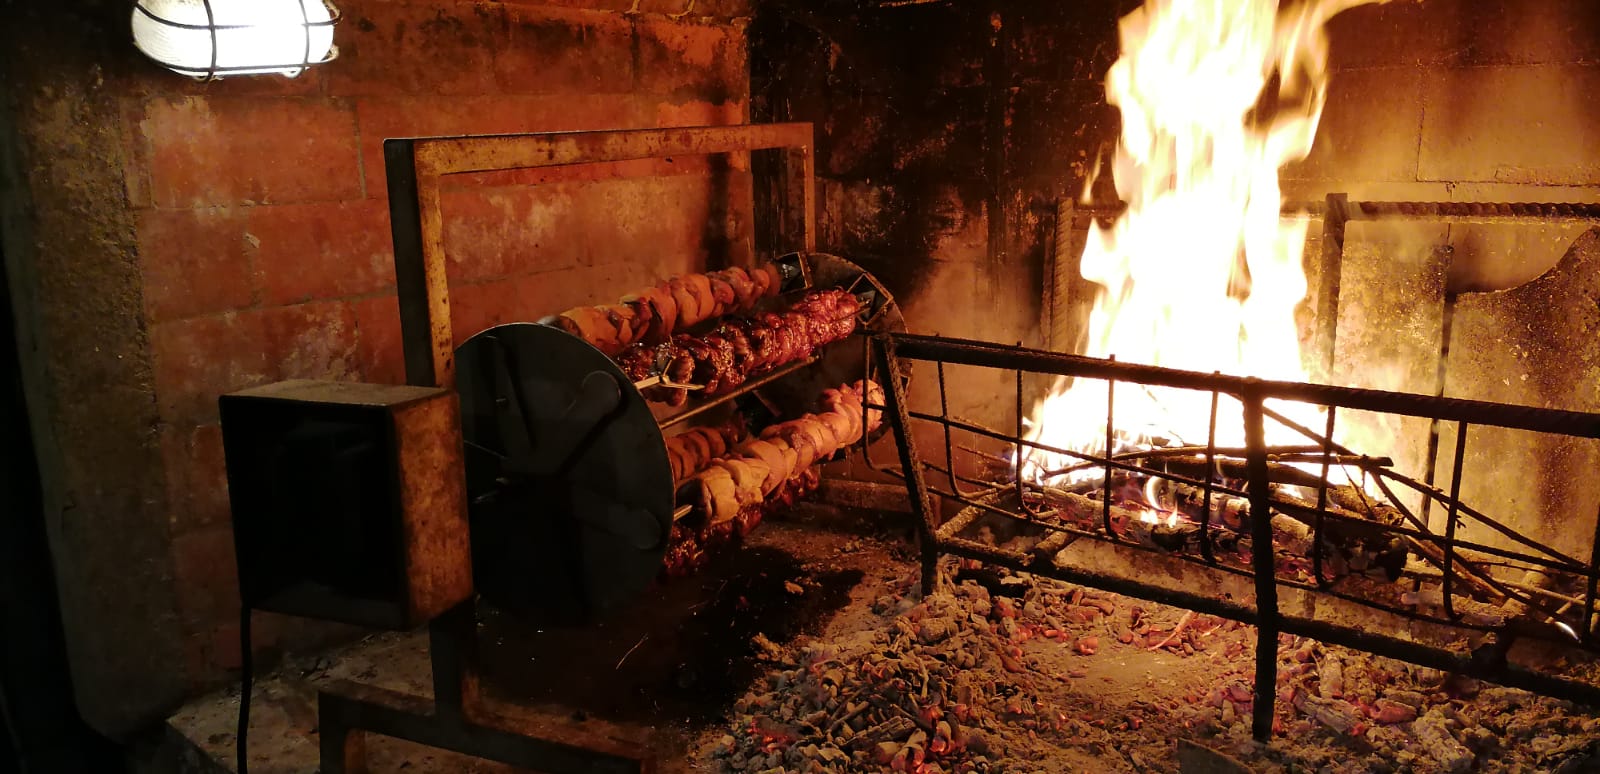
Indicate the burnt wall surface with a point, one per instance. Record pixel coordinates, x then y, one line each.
168 241
949 131
1466 100
945 133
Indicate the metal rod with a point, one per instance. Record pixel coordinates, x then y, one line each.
808 180
1322 500
910 462
1328 278
966 516
1111 405
753 384
1016 451
1261 560
1558 563
1211 462
989 355
949 443
490 153
1486 579
1115 462
1594 585
866 372
1439 375
390 714
1453 517
454 679
1467 211
1062 275
410 277
1380 474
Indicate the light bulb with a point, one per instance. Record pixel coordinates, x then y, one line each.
253 37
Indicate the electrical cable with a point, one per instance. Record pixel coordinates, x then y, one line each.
241 746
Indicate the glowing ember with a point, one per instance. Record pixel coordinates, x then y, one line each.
1201 273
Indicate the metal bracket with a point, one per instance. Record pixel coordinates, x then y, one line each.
455 721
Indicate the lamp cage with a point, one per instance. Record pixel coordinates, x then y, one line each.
211 39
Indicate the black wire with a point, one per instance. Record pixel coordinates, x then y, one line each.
241 746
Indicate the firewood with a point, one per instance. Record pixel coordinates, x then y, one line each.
1435 737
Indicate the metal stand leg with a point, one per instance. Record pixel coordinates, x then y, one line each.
344 749
930 564
1264 569
453 721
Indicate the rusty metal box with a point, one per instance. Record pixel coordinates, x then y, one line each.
349 500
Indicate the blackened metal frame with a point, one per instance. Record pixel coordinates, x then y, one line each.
936 537
1337 211
456 718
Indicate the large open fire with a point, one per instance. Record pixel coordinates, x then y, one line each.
1201 272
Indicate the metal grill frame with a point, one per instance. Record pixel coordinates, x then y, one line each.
890 351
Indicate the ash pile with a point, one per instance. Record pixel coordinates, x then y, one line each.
1009 672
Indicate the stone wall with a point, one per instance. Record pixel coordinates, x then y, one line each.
170 241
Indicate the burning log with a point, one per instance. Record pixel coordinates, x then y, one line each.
1134 524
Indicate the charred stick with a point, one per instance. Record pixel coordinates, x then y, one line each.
1276 454
1460 567
1046 549
1177 631
1382 473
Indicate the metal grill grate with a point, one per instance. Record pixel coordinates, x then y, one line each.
939 484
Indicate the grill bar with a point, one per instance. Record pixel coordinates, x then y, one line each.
1461 564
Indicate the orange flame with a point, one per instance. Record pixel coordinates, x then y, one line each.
1202 272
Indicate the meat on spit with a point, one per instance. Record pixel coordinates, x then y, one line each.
769 472
761 465
651 315
739 348
691 451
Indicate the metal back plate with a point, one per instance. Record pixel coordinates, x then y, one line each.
567 474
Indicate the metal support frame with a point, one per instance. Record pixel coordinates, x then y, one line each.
454 720
890 350
416 168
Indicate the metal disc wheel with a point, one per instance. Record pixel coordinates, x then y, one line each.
569 486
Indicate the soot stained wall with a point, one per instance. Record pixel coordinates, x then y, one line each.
949 131
946 132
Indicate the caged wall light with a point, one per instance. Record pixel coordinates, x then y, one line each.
211 39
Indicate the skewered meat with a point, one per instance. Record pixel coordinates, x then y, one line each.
691 451
757 468
691 547
741 348
653 314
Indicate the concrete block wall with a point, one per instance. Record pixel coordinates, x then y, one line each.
1457 100
178 240
1463 100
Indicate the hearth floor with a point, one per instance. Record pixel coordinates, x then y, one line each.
792 654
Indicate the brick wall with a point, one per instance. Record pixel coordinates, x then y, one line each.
263 221
253 214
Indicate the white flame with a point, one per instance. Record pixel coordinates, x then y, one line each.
1202 272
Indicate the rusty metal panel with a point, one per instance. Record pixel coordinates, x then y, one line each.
348 500
416 167
433 505
457 155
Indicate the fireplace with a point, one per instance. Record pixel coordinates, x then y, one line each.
1026 536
